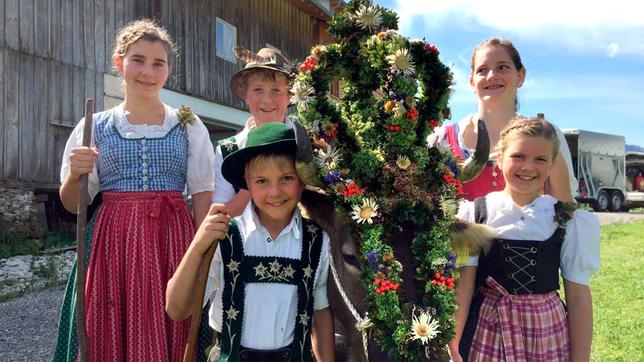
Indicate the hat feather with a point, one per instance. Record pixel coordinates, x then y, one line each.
247 56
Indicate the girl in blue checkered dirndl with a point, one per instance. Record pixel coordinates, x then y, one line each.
144 154
509 293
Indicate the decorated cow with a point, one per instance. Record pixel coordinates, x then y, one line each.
386 198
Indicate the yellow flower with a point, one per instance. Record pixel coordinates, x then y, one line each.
423 327
401 61
403 162
365 212
389 105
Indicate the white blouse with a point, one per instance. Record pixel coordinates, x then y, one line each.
580 249
269 309
439 137
200 150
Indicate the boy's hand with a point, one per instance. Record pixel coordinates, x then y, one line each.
213 228
81 161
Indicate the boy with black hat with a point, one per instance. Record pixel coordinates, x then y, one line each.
267 281
264 85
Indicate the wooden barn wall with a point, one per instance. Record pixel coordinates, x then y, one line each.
54 53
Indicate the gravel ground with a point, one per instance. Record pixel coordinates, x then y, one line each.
28 325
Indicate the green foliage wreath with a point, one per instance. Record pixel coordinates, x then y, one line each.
373 157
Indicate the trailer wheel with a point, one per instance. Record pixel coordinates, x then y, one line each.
616 201
601 203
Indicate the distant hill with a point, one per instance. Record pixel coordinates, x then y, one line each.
634 148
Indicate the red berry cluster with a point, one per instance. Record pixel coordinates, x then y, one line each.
454 182
384 285
433 123
308 64
393 127
412 114
431 48
352 189
444 281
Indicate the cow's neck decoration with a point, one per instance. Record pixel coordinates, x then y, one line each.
371 149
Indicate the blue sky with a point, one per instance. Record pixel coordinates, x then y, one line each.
584 61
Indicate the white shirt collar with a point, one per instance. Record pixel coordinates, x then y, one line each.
506 206
250 223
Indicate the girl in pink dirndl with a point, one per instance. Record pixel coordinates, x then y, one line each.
521 317
143 155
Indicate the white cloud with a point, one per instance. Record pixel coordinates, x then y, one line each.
613 49
575 24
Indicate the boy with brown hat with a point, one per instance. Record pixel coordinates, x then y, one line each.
264 85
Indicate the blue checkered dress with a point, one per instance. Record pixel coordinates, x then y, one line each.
140 164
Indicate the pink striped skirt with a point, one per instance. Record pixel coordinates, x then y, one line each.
138 241
514 328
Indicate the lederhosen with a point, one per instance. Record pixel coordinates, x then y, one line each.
240 269
519 266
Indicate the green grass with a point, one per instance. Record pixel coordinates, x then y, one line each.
12 244
618 295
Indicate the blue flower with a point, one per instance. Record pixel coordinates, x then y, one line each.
332 177
372 258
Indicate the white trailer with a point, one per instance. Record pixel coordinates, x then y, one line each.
598 163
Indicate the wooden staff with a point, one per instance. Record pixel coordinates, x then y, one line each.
202 278
81 230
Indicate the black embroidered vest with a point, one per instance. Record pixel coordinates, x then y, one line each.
240 269
522 266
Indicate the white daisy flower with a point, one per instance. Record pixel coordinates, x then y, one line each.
328 158
368 17
365 212
423 327
301 94
401 61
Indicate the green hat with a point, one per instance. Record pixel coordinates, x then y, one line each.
269 138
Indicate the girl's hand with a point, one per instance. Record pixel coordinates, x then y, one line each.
81 161
213 228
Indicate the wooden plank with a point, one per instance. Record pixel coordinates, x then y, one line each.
78 32
2 35
202 61
55 142
41 28
40 125
3 119
89 57
11 148
176 9
99 35
140 9
129 10
27 26
119 11
67 34
188 45
26 117
12 25
99 92
109 34
55 29
66 94
78 92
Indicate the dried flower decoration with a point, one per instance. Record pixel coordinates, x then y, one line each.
186 115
